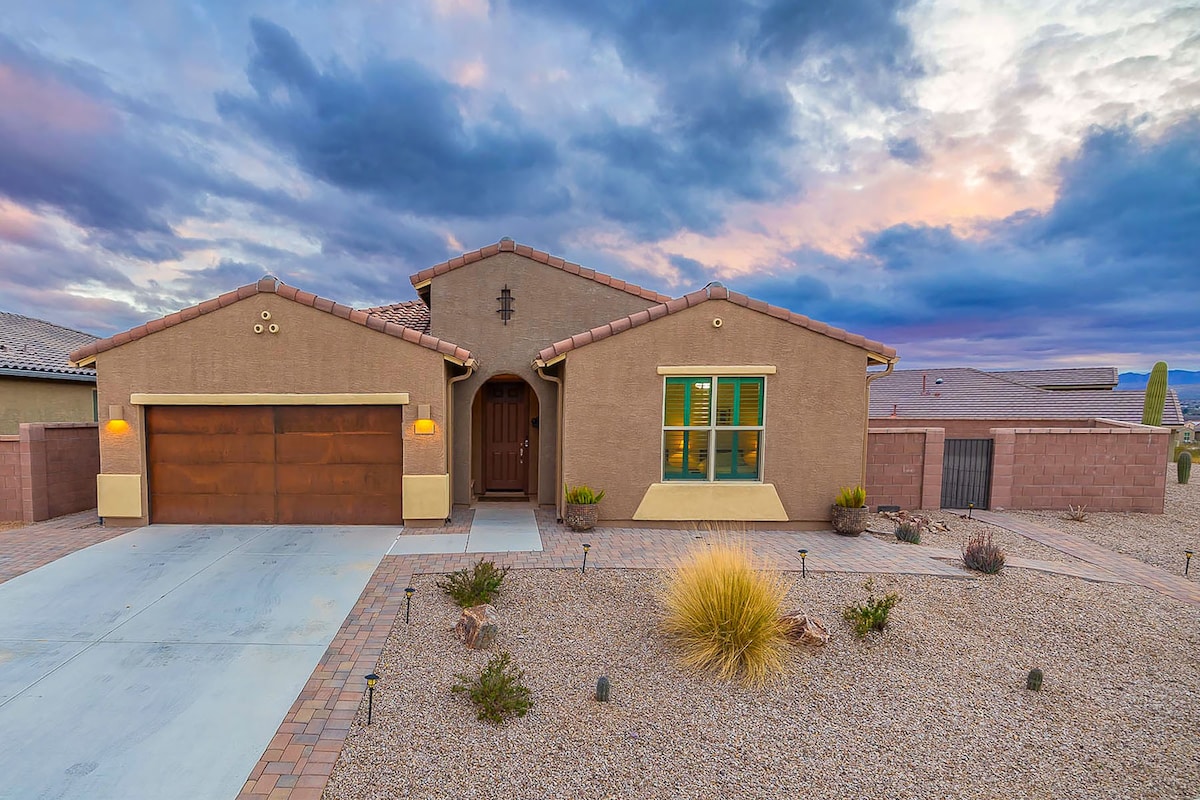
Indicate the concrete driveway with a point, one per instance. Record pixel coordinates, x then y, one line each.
160 663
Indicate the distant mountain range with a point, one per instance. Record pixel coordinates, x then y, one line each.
1185 382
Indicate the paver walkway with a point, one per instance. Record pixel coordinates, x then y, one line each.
32 546
1131 569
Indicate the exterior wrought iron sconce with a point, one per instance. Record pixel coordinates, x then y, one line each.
408 593
371 679
506 309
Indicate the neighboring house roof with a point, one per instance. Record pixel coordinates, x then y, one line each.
966 393
270 285
713 291
37 349
410 313
509 246
1068 378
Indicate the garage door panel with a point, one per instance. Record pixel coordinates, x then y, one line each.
366 479
339 509
192 509
187 448
339 448
215 479
210 419
339 419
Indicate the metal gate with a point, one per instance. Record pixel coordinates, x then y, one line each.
967 473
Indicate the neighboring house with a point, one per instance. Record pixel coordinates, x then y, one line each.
513 374
37 381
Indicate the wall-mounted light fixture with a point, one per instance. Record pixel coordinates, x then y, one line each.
116 420
424 424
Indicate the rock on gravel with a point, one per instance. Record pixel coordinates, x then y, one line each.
936 707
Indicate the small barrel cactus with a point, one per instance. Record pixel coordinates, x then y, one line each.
603 687
909 531
1183 467
1034 682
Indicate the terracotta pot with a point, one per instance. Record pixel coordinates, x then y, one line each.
580 516
850 521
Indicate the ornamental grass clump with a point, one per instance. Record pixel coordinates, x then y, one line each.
980 553
724 613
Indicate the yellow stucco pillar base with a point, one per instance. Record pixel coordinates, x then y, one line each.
118 495
426 497
733 502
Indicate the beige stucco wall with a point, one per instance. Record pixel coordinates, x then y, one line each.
550 305
313 353
23 400
815 405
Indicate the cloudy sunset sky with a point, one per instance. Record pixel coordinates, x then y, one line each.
992 184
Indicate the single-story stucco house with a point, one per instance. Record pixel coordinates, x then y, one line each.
36 382
513 374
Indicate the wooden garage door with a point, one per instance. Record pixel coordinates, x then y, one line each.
291 465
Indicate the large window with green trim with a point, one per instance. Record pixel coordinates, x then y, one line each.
712 428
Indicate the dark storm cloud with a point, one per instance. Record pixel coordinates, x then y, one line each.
1116 253
395 130
725 123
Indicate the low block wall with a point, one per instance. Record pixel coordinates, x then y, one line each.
1111 467
48 469
904 467
10 479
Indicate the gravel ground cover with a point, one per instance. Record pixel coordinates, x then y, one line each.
962 529
933 708
1158 539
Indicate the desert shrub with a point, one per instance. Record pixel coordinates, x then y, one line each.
851 497
909 531
724 612
871 615
471 587
496 691
1076 513
982 554
583 495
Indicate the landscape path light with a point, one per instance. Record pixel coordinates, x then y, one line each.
586 547
1187 561
371 679
803 562
408 593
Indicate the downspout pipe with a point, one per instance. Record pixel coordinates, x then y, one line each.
558 438
871 378
450 427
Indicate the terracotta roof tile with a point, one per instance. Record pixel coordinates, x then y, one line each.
966 393
410 313
509 246
367 318
714 291
29 345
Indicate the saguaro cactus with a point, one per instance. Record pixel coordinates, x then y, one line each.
1156 395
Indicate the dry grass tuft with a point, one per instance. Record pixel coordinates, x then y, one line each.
1076 513
724 612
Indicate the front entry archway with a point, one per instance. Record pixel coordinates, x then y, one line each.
506 437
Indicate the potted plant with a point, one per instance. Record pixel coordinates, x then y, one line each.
582 502
850 515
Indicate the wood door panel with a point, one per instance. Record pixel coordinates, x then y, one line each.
214 479
210 419
190 448
364 479
207 509
339 419
339 448
339 509
506 423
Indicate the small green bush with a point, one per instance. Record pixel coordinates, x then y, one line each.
873 614
583 495
851 497
980 553
472 587
497 691
909 531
